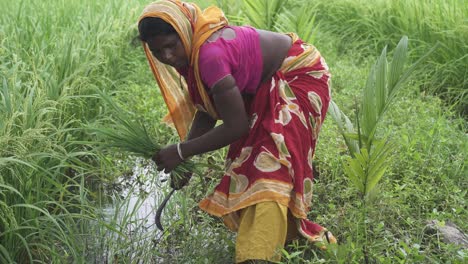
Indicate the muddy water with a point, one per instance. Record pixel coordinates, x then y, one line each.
137 195
127 215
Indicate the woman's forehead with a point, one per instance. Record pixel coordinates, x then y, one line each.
162 40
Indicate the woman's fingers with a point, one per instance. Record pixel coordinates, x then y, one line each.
166 159
156 158
162 166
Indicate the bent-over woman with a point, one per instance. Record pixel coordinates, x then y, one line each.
271 92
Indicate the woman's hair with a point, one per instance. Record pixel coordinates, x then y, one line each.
153 26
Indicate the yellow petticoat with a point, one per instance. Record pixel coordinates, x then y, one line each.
263 230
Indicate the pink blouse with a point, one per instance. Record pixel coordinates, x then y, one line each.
241 57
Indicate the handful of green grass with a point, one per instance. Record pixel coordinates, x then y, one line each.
128 135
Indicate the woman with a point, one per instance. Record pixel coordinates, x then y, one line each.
271 92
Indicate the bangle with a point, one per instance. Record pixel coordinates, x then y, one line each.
179 151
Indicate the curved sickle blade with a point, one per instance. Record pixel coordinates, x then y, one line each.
157 219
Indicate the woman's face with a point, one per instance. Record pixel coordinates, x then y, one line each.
169 50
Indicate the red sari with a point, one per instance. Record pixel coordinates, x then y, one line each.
273 162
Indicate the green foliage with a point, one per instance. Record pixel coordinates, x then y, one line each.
369 157
281 16
125 134
53 62
371 26
50 66
303 23
263 14
365 170
424 180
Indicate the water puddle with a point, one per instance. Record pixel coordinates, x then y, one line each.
127 233
127 229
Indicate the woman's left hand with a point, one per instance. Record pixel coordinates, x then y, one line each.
167 158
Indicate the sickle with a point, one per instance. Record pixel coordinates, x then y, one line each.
157 219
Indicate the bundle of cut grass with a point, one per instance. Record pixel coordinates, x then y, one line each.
128 135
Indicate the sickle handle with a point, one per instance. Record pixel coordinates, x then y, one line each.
157 219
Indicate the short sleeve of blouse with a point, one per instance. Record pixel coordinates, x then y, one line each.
213 64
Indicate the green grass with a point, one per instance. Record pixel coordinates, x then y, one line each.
372 26
53 63
50 67
426 178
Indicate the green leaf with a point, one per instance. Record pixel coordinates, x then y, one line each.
263 13
381 82
368 111
295 254
126 134
301 22
398 62
5 255
354 170
7 187
344 126
6 99
405 75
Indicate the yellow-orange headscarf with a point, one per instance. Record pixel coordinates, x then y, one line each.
194 26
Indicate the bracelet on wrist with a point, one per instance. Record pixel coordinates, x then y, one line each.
179 151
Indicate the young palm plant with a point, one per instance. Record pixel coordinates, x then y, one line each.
282 16
369 154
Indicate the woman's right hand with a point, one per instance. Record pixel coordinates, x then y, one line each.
167 158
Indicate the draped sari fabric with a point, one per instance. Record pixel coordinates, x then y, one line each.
274 161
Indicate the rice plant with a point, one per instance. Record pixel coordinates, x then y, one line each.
50 65
124 133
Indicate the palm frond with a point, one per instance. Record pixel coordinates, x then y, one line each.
366 168
302 22
369 156
383 84
345 127
263 13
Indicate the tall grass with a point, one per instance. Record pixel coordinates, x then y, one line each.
123 133
56 55
43 193
372 25
53 57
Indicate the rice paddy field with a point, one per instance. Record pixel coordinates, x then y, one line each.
80 116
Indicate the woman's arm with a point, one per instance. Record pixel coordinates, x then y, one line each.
202 123
230 107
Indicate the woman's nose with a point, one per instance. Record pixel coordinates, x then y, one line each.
167 55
